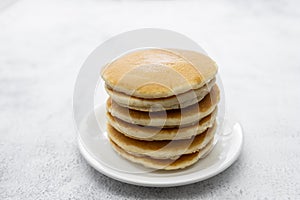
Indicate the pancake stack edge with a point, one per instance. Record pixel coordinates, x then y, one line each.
171 128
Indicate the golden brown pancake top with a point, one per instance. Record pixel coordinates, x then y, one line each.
157 73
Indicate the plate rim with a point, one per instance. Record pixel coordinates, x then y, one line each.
173 181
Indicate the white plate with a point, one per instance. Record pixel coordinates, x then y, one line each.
96 149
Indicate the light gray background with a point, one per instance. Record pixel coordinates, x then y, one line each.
43 44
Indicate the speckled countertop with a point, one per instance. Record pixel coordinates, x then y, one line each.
44 43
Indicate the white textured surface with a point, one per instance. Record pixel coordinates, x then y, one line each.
43 44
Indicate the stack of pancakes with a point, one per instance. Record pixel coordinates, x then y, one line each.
162 106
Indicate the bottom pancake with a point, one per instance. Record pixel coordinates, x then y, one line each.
166 149
166 164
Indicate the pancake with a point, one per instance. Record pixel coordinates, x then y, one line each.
159 73
166 149
166 164
170 118
173 102
149 133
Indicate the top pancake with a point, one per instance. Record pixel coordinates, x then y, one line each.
159 73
